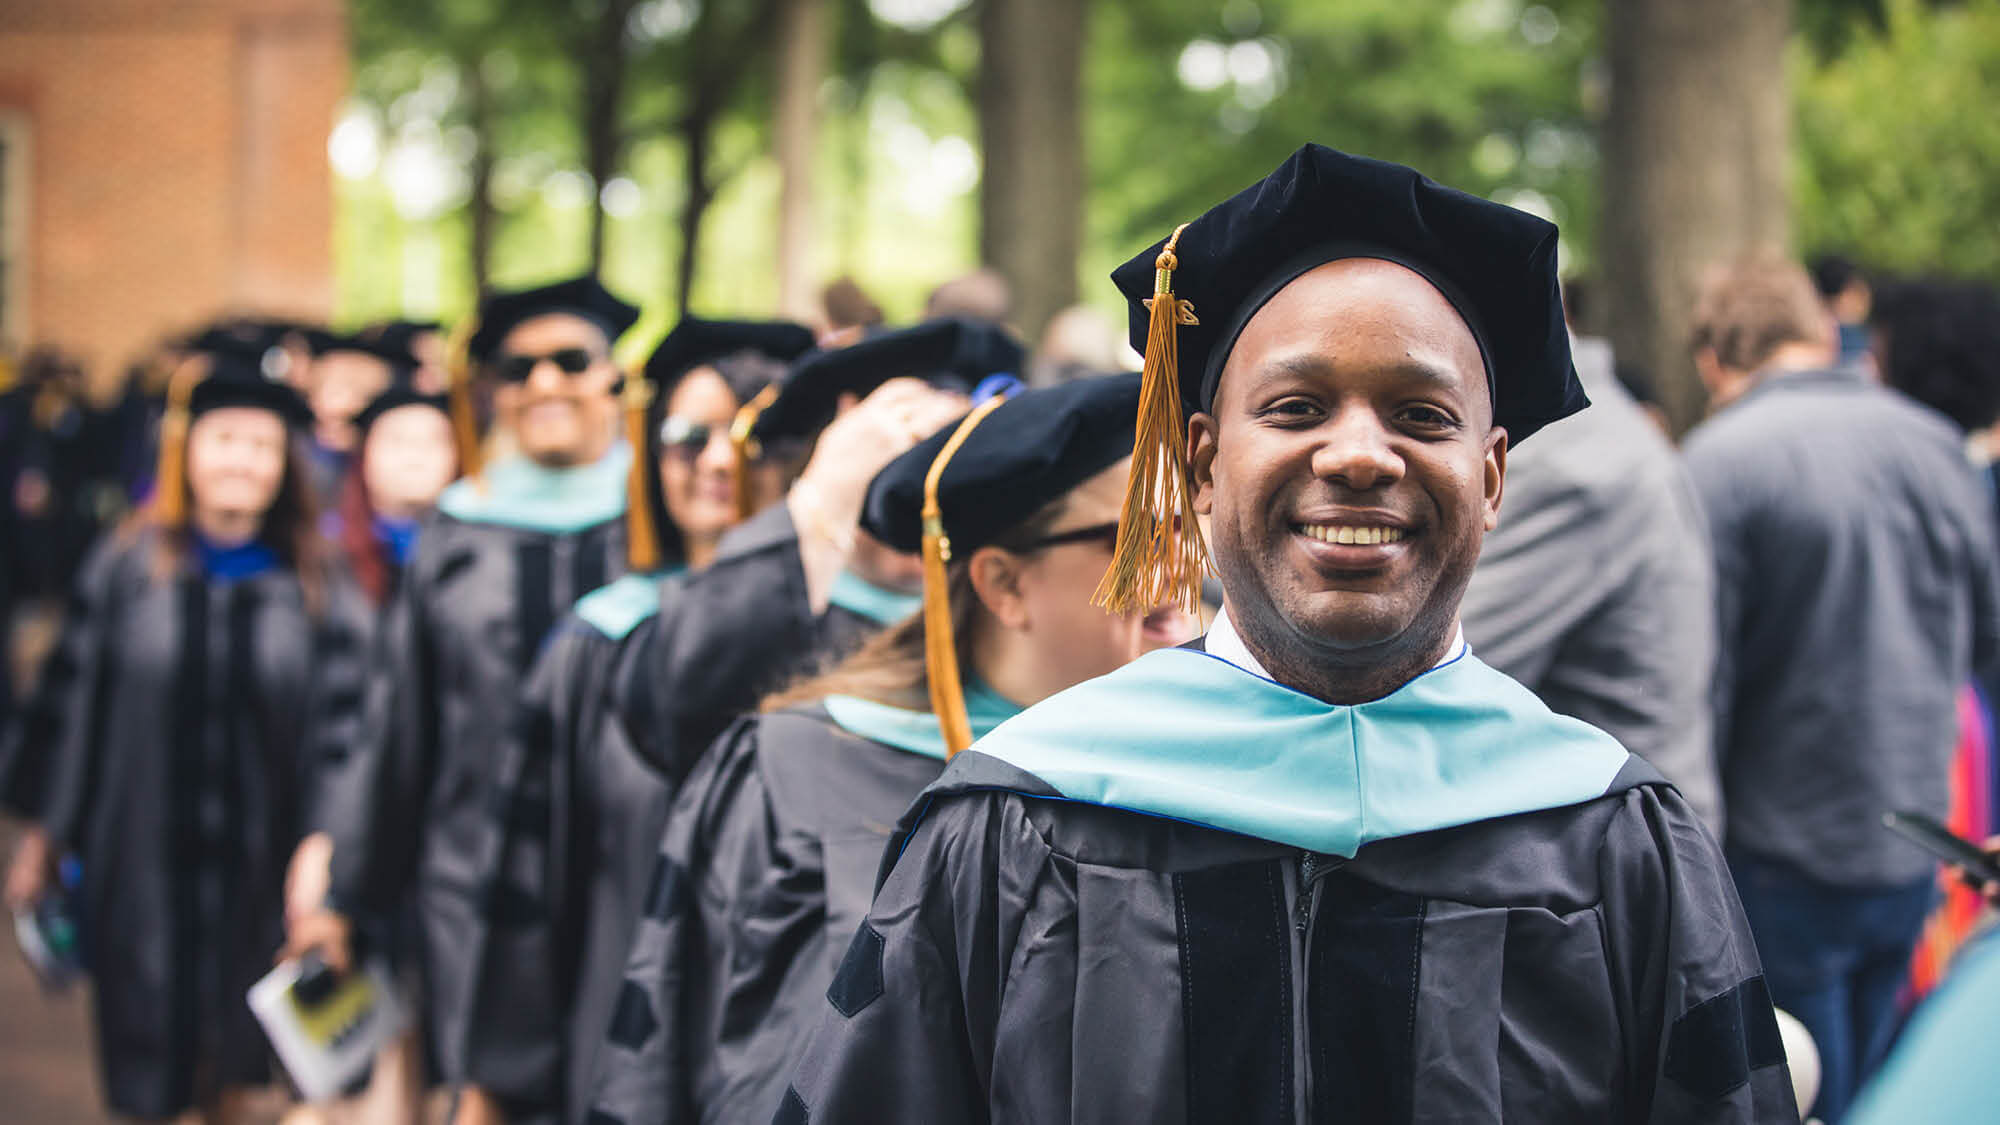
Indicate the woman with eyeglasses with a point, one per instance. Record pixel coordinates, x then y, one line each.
772 844
210 658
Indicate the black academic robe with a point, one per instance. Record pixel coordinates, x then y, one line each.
766 868
181 719
609 708
411 809
1030 958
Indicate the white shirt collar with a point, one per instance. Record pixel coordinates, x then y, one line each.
1223 641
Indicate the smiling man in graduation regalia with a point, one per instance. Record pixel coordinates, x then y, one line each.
1323 864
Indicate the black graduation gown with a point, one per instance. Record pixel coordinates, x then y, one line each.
606 716
181 720
411 809
766 868
1030 958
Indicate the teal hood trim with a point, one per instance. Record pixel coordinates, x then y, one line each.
863 598
1182 734
617 608
916 731
516 492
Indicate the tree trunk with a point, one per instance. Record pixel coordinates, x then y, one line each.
479 111
695 136
802 42
1696 147
1031 130
603 62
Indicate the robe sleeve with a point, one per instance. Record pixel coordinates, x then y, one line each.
52 772
514 1036
1702 1043
908 1029
373 800
338 691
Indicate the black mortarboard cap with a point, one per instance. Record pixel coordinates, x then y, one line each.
238 378
948 352
1020 458
1192 293
579 296
1494 263
399 359
695 341
399 395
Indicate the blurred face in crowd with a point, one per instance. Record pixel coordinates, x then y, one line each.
697 462
235 460
431 377
554 389
1041 596
342 383
1350 469
407 460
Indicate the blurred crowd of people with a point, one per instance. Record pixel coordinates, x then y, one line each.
416 642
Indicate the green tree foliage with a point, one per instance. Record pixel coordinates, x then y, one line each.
1897 141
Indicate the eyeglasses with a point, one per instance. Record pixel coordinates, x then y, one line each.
515 367
1105 533
685 438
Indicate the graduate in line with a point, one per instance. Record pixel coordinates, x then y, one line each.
1324 864
209 657
509 549
772 846
582 808
405 454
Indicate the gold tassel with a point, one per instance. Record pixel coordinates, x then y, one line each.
642 537
746 448
169 504
940 645
458 372
1160 555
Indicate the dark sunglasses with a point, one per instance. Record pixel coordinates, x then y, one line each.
1105 533
515 368
685 438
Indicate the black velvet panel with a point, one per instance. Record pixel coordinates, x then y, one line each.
1236 992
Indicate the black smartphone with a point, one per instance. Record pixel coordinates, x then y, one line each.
1943 843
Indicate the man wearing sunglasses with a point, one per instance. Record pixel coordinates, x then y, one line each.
509 551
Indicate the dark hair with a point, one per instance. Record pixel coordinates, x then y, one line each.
290 527
890 667
1832 274
1749 309
1940 344
849 306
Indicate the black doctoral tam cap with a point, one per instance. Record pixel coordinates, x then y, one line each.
966 485
398 358
579 296
1192 293
399 395
695 341
1494 263
951 353
1017 460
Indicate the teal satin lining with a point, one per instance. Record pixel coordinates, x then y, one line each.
916 731
516 492
859 596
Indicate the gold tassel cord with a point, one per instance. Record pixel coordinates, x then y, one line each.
940 645
642 533
458 374
169 503
746 448
1160 555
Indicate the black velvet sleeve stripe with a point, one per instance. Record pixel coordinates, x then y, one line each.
1233 930
1714 1046
1362 998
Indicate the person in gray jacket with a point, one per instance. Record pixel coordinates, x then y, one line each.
1596 589
1856 593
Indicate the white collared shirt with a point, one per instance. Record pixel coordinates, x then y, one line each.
1225 642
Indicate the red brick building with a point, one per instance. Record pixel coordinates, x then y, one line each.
162 161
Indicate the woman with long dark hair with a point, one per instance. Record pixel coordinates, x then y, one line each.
209 661
772 844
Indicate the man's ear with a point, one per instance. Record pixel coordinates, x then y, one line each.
1496 474
996 579
1201 460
